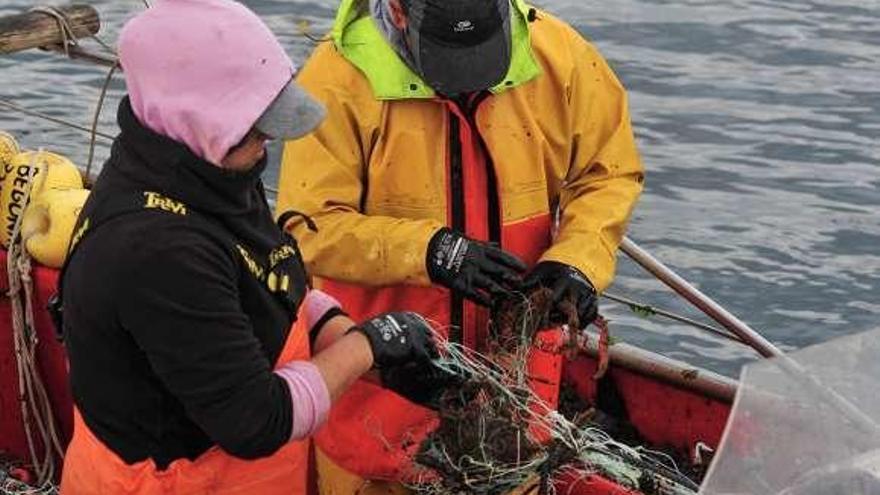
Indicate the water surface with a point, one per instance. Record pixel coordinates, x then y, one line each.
758 122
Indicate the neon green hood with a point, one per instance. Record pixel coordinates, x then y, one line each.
363 44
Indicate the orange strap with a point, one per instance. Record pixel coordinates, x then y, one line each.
545 376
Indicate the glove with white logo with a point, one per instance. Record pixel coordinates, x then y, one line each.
476 270
420 383
568 285
398 338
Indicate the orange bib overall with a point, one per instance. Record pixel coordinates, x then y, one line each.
90 468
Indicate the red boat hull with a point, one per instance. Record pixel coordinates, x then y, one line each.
51 362
671 405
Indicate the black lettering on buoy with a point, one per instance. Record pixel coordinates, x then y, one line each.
20 183
12 207
10 225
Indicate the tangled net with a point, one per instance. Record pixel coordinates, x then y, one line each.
487 441
11 484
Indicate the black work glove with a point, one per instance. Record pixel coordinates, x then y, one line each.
567 284
421 383
476 270
398 338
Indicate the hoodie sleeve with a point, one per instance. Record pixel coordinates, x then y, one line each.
182 309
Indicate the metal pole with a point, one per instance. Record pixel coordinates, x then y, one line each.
701 301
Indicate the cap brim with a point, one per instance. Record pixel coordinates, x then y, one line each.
459 70
293 114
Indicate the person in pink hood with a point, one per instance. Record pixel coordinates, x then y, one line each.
186 310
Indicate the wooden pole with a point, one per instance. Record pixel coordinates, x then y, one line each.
37 29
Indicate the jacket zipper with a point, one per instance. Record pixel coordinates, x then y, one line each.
456 190
456 185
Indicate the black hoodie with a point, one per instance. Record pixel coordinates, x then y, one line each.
171 329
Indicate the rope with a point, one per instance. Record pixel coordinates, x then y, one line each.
646 310
68 37
25 266
68 41
304 27
10 485
66 123
18 330
593 450
98 108
33 398
104 45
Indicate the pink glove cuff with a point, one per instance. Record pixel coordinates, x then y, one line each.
316 305
309 397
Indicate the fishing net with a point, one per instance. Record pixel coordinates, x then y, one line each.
488 441
14 480
805 424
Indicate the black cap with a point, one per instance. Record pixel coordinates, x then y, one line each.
460 46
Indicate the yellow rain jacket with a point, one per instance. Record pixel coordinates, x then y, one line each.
545 164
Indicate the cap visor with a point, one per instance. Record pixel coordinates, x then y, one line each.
456 70
293 114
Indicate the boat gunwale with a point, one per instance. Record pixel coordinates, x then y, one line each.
673 372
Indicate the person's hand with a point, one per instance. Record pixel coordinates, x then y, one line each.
477 270
399 338
569 286
420 383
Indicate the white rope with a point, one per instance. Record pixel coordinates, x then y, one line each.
33 399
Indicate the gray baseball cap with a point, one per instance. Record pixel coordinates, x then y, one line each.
293 114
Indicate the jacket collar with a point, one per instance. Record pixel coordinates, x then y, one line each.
362 43
151 161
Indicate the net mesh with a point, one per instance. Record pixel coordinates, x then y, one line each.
487 439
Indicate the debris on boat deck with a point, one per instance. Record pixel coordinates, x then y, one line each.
17 479
617 425
487 444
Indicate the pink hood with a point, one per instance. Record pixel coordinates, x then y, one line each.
202 71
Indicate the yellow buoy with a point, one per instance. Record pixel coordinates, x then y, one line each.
48 224
8 150
38 172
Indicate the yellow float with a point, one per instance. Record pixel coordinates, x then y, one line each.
37 172
8 150
48 224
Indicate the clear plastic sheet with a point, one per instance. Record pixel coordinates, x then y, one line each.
790 433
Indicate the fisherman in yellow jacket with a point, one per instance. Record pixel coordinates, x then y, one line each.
471 148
